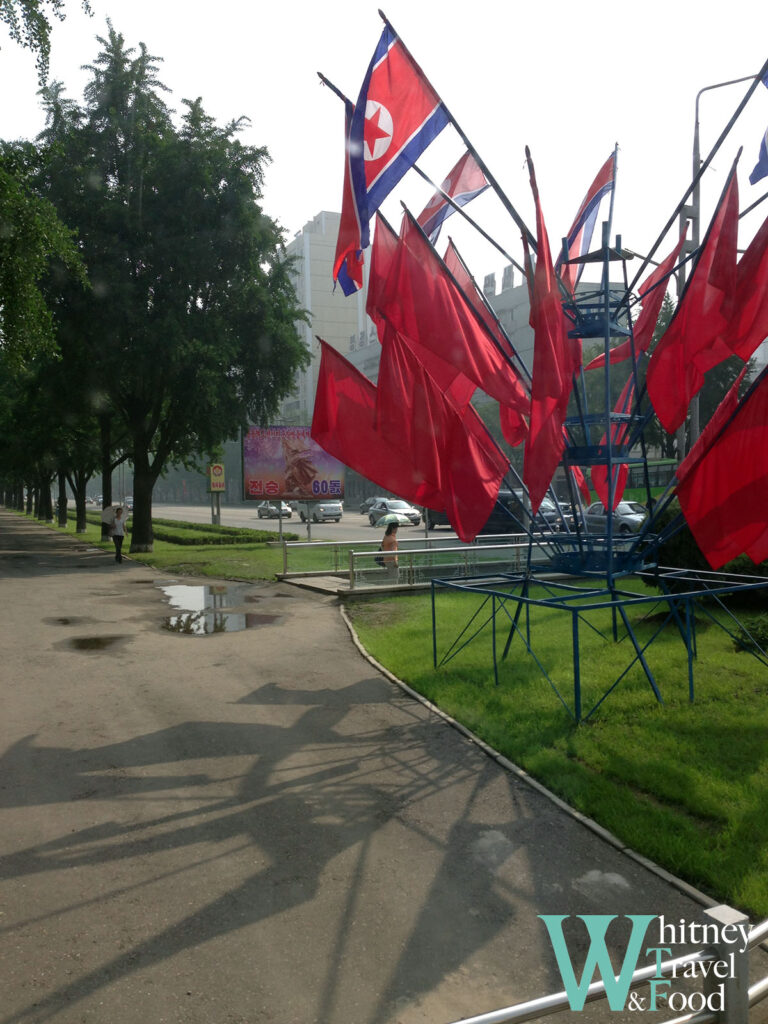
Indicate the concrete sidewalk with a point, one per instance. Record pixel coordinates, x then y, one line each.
258 827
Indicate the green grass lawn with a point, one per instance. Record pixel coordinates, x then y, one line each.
685 784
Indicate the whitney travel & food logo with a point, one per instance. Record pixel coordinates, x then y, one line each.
730 938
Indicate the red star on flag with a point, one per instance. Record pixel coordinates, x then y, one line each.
374 132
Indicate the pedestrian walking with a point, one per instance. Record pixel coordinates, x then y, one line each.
389 547
118 533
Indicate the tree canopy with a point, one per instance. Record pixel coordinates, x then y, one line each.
28 25
188 329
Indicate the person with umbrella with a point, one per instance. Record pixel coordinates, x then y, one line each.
389 547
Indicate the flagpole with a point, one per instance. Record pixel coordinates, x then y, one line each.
698 175
437 188
332 87
492 312
479 319
465 139
466 216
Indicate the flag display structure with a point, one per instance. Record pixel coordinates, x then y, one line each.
694 341
464 183
651 292
397 115
619 470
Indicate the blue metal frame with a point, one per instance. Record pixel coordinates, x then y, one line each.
682 592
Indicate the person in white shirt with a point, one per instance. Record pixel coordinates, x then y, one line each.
118 533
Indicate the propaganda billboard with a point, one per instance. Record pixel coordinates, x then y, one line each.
284 462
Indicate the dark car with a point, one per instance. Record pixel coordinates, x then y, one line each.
365 506
511 514
388 506
508 515
628 517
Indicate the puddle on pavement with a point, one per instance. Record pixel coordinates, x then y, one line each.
93 643
213 608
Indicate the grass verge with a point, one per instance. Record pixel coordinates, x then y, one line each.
685 784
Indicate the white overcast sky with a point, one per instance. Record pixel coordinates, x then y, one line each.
569 79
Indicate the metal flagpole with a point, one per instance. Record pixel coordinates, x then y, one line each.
698 175
465 139
465 215
426 177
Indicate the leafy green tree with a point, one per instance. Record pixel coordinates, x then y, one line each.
28 24
189 327
31 235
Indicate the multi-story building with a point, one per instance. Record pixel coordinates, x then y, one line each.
339 319
342 321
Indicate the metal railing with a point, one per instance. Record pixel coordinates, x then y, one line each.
419 560
738 995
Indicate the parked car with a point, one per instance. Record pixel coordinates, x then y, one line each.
273 510
511 514
507 516
129 503
365 506
387 506
628 517
323 511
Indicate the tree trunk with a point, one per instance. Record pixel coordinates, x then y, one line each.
62 502
143 482
106 469
78 481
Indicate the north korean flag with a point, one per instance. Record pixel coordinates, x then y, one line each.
580 235
397 115
463 184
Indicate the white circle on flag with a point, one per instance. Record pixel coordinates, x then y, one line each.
378 130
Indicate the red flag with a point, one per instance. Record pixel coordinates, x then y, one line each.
649 314
513 421
420 300
343 424
446 446
348 261
749 321
724 491
455 385
694 341
553 364
619 434
721 417
581 482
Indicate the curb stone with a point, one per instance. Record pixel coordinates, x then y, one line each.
520 773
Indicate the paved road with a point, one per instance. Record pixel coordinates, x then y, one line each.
353 526
257 827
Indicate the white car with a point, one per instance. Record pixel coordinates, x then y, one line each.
327 510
